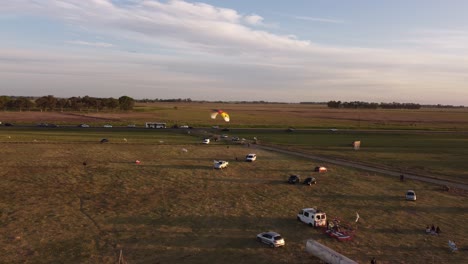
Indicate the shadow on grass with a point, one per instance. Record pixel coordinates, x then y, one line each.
362 197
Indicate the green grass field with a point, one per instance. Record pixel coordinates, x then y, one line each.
442 155
175 208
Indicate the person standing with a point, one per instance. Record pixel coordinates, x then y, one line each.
373 261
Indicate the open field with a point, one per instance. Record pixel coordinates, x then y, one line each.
441 155
258 115
175 208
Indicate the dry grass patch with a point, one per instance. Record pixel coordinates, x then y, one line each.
174 207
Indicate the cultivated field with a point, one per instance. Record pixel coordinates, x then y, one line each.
174 208
258 115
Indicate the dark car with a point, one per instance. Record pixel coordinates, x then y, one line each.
43 125
53 125
225 129
290 129
104 140
293 179
309 181
8 124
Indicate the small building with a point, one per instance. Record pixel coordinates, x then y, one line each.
155 125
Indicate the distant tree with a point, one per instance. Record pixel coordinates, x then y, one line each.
46 102
98 104
111 103
88 102
62 103
76 103
126 103
334 104
21 103
4 101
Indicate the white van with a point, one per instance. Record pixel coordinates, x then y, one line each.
206 141
251 157
312 217
410 195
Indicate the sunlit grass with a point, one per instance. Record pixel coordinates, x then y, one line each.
174 207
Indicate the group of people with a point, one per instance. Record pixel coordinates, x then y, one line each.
433 230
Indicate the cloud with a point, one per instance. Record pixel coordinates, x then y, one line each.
318 19
174 23
93 44
441 40
253 19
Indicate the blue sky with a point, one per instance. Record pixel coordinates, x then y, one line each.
289 51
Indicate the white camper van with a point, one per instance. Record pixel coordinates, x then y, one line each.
312 217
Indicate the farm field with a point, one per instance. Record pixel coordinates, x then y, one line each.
173 207
258 115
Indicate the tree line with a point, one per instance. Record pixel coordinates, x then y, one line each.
51 103
367 105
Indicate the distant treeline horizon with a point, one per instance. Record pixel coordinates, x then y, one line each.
372 105
126 103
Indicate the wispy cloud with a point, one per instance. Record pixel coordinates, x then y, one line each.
318 19
441 40
93 44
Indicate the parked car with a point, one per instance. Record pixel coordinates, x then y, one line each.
410 195
320 169
220 164
107 125
272 239
225 129
313 217
184 126
215 127
43 125
53 125
251 157
131 125
290 129
8 124
83 125
224 136
206 141
309 181
293 179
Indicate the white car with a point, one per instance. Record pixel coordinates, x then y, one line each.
410 195
83 125
184 126
107 125
251 157
206 141
220 164
272 239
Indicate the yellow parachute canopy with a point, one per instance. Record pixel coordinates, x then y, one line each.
222 113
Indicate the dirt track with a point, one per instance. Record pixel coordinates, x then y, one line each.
422 178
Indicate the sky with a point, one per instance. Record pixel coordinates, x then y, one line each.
237 50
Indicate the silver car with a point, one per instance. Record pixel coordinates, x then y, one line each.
270 238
